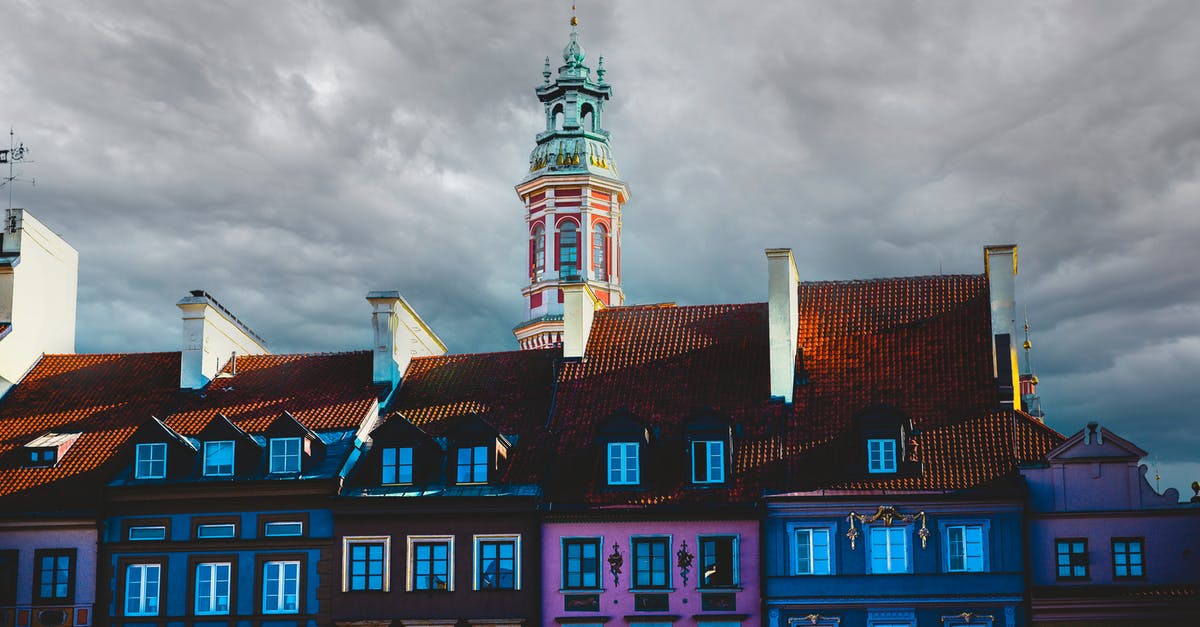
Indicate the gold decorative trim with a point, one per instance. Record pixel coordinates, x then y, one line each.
889 515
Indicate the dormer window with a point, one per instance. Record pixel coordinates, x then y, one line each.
623 465
472 464
708 461
397 465
881 455
218 458
151 461
285 455
45 450
43 457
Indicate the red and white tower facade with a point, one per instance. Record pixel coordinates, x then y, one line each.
573 198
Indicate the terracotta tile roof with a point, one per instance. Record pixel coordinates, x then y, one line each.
321 390
103 397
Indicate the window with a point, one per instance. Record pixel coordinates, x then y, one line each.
151 462
43 456
366 563
212 588
472 464
281 587
497 562
718 561
581 563
623 463
539 250
431 562
568 250
708 461
812 551
285 455
600 252
141 589
650 562
283 528
54 576
216 530
157 532
397 465
881 455
218 459
1127 557
1072 558
964 548
889 550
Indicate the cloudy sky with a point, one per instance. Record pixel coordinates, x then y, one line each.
289 157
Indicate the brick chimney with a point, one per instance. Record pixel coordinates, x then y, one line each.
579 309
1000 266
211 336
783 316
400 335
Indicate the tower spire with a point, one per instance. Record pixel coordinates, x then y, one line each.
1030 401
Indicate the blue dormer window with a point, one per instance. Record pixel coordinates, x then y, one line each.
881 455
397 465
472 464
708 461
285 455
151 461
218 458
623 467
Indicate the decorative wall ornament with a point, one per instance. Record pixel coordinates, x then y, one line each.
683 559
968 618
814 619
615 561
889 516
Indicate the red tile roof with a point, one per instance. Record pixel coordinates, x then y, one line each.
104 397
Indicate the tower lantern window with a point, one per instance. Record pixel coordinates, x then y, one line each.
568 250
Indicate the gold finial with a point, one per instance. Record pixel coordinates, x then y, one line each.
574 20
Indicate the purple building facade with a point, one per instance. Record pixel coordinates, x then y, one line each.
1105 548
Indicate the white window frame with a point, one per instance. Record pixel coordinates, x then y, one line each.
710 456
618 452
145 454
142 598
160 533
285 456
668 563
280 591
212 527
735 542
474 466
395 466
410 580
348 543
794 529
232 457
902 531
984 526
276 524
887 446
212 594
562 557
515 540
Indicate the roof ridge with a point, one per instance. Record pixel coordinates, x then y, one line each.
531 351
895 278
111 354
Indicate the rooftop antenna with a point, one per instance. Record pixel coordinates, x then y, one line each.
14 153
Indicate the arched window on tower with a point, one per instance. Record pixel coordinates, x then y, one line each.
600 252
537 246
586 118
557 114
568 250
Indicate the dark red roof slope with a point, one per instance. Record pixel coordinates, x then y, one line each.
102 397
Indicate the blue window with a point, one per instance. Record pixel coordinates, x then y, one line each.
1072 557
285 455
497 562
141 589
212 588
55 575
155 532
397 466
1127 558
472 464
431 564
283 529
366 563
889 550
281 587
881 455
568 250
964 548
623 466
218 458
581 563
151 461
708 461
650 562
811 545
215 530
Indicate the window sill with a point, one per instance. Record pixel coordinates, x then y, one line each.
734 588
581 590
651 590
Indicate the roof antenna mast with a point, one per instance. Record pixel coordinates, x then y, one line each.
9 156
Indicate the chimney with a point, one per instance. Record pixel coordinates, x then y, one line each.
1000 266
400 335
783 316
211 334
579 308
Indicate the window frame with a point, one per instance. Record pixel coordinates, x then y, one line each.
204 466
830 530
72 556
563 247
419 540
564 557
1087 559
264 562
624 470
985 533
1141 541
478 540
708 459
905 532
137 460
194 564
285 455
144 564
735 567
539 250
650 540
884 445
348 544
474 465
129 531
599 245
396 466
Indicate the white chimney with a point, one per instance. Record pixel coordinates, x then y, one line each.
579 309
400 335
783 317
1000 266
211 336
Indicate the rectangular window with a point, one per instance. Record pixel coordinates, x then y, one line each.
218 459
215 531
718 561
151 461
964 548
281 587
366 563
156 532
581 563
650 562
283 529
212 588
397 466
708 461
430 563
141 589
54 575
812 551
1072 558
472 464
881 455
623 463
889 550
497 562
285 455
1127 557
